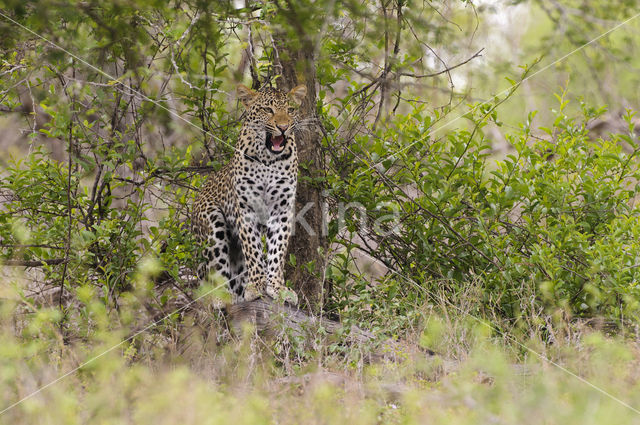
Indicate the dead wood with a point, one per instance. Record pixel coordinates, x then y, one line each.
270 317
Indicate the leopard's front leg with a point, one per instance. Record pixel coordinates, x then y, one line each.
248 225
279 228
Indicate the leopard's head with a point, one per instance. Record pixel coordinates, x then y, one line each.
274 111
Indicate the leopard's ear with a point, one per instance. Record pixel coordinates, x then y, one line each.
246 95
298 93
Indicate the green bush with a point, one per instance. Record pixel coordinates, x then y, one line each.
108 177
553 226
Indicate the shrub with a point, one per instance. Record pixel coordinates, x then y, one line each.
553 226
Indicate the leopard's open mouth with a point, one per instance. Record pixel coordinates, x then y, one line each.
276 144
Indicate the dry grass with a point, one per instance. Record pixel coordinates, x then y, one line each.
194 372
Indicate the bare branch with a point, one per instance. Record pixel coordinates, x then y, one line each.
33 263
446 70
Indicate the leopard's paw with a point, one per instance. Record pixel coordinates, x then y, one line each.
286 295
251 293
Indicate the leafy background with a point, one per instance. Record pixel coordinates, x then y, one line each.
490 197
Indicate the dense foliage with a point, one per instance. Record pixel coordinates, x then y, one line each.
553 227
117 144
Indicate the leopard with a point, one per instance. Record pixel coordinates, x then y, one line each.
250 201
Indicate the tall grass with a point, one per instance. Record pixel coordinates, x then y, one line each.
202 377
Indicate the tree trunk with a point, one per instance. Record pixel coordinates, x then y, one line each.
309 242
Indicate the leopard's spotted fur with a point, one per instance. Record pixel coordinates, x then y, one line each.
253 195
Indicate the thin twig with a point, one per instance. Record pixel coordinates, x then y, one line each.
450 68
33 263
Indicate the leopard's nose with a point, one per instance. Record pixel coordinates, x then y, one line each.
283 127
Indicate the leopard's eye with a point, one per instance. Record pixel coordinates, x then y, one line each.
291 110
268 110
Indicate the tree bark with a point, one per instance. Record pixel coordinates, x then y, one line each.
309 242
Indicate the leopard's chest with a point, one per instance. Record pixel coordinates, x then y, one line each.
264 187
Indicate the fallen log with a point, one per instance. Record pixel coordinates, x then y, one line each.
270 317
273 319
